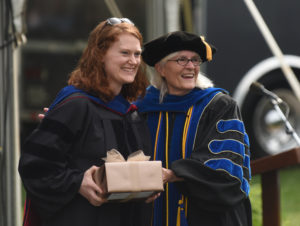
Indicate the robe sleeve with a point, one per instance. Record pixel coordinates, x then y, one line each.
50 181
217 174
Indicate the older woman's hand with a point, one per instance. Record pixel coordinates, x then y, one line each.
90 190
152 197
169 176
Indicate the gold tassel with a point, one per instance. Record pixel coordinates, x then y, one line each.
208 49
178 212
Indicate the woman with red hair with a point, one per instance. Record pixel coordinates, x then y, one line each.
90 116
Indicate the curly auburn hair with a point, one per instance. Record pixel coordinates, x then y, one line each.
89 74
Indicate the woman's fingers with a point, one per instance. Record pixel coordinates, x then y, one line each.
90 190
41 116
170 176
152 197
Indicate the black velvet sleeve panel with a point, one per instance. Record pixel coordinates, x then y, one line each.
48 177
214 190
73 137
211 190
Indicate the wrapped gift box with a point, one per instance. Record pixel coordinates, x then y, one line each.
131 179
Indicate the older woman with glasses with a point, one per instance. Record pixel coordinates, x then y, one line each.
90 116
198 134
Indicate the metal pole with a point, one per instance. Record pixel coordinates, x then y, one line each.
10 194
188 15
11 148
286 69
288 126
200 17
113 8
155 19
172 10
2 51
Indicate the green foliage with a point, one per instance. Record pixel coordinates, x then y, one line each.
256 201
289 198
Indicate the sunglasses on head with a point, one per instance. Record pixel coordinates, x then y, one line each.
114 20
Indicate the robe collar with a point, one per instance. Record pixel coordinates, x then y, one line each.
150 103
119 104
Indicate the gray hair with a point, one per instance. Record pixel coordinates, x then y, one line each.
160 83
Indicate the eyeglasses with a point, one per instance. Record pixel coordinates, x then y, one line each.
183 61
114 20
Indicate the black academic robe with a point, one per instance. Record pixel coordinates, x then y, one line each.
73 137
201 137
215 197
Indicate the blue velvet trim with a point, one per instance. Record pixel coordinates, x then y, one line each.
218 146
230 125
232 169
118 104
246 164
150 103
224 126
246 139
245 186
247 161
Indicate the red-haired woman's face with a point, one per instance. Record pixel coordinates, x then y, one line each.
121 61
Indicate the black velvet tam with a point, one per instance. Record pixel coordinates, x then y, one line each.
159 48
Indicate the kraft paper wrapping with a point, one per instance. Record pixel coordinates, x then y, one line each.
136 178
